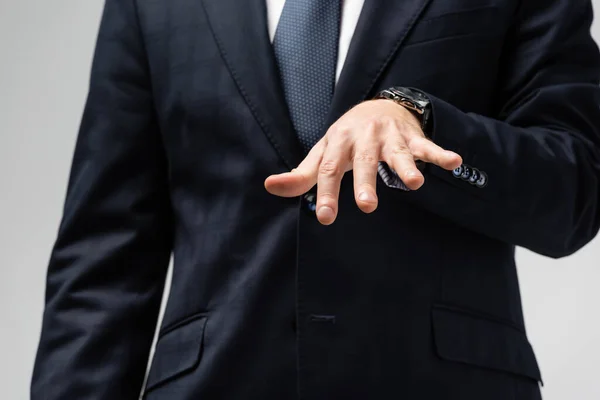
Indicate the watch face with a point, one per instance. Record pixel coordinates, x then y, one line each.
412 96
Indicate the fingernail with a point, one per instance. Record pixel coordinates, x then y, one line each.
412 173
325 213
366 196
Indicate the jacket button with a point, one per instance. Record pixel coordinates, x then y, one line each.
310 201
482 181
467 172
458 171
475 174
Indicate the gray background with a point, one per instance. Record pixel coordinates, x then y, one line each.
45 57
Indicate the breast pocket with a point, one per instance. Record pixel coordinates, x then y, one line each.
482 20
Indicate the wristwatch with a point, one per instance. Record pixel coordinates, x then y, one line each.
411 99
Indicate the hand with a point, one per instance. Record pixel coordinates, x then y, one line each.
377 130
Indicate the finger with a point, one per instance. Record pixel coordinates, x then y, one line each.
366 160
425 150
301 179
402 161
331 170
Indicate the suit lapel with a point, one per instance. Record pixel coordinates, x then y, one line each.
241 32
381 29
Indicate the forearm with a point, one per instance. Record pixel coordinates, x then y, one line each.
543 181
539 144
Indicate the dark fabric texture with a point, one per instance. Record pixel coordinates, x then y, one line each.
185 119
178 351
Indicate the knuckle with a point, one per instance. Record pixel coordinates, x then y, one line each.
371 135
418 149
366 157
399 150
419 153
417 141
339 137
337 131
374 124
388 121
329 168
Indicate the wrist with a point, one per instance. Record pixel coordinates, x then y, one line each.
413 100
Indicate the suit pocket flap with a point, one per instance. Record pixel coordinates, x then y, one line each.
177 351
479 341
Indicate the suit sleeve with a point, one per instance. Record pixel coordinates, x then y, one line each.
542 152
108 266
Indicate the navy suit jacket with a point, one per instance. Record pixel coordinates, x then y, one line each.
420 300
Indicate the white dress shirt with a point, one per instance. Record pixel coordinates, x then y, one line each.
350 13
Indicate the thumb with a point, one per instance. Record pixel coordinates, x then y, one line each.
299 180
288 184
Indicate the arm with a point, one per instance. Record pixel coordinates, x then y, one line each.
542 154
107 270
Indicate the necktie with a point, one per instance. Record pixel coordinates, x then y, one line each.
306 50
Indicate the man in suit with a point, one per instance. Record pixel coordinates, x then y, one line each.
469 127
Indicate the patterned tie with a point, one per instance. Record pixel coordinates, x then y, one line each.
306 49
